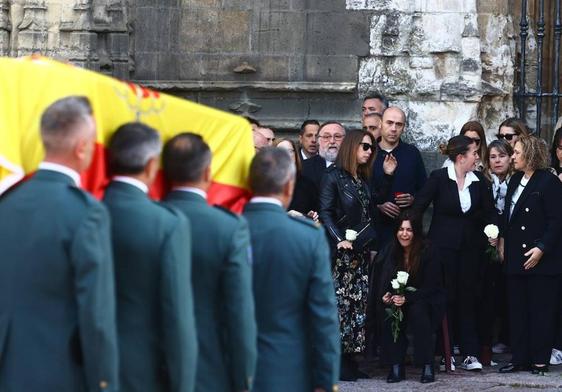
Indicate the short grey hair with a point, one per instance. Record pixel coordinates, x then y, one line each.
270 171
131 147
60 122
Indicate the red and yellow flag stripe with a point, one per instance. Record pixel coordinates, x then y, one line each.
28 85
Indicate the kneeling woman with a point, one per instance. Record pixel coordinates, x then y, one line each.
423 309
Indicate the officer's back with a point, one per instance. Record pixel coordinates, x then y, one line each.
152 251
57 305
222 274
298 332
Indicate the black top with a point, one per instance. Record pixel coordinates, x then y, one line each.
345 203
428 280
536 221
307 187
450 226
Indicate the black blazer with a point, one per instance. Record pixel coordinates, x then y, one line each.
341 209
536 221
307 188
450 227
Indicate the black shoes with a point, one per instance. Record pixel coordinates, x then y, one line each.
428 374
348 370
396 374
539 370
513 368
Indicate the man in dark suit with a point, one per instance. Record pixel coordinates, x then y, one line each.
298 328
152 250
57 299
222 271
307 188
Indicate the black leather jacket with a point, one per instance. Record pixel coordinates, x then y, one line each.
341 209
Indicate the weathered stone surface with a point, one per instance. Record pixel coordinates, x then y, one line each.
344 34
439 32
281 32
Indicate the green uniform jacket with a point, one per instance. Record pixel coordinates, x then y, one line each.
155 321
57 298
298 329
222 289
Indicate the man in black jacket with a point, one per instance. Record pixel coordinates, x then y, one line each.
307 189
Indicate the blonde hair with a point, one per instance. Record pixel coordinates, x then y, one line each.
535 152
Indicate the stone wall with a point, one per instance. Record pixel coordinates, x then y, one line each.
444 62
88 33
283 61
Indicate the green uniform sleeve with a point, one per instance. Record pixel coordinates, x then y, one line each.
178 320
239 309
94 283
324 323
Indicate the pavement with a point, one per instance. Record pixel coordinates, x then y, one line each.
488 380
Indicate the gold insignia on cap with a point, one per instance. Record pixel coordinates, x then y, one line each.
103 384
335 388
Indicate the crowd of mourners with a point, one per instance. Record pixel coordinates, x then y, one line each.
487 273
328 267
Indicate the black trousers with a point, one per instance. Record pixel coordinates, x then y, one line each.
417 322
461 272
533 313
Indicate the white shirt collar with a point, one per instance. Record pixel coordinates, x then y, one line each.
132 181
469 178
328 163
191 189
303 155
262 199
61 169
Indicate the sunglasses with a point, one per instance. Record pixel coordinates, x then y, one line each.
506 136
475 140
366 146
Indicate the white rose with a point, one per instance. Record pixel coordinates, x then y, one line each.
492 231
350 235
395 284
402 277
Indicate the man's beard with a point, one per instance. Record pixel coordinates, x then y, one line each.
329 155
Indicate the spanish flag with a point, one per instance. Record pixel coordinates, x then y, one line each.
29 85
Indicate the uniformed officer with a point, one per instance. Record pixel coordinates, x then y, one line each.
152 250
222 274
298 329
57 299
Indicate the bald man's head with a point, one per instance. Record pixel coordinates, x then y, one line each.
393 123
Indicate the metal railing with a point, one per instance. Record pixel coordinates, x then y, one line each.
522 95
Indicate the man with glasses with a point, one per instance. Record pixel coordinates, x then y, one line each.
330 137
268 134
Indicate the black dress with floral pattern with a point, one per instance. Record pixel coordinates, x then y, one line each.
351 279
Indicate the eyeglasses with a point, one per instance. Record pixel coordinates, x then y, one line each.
475 140
366 146
337 137
506 136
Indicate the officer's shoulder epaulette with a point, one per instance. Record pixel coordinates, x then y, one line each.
306 221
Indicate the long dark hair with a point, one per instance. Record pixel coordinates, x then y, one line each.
418 243
347 155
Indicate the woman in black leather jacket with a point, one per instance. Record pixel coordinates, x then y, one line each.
346 204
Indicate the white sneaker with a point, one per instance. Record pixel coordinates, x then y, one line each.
471 363
499 348
442 366
556 357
